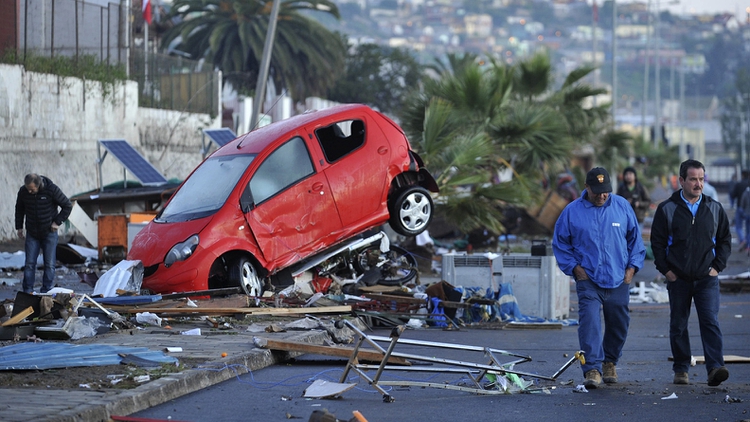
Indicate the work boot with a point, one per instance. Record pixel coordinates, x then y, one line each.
610 373
681 378
593 379
717 375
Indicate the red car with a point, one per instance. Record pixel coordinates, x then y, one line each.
289 192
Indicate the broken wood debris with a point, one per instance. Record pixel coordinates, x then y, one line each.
363 355
238 311
19 317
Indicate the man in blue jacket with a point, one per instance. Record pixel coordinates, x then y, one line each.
45 208
597 241
692 242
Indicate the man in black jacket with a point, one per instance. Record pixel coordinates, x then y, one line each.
691 241
45 207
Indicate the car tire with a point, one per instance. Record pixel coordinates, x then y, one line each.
400 265
243 272
411 211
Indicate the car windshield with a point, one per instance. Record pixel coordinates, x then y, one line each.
207 189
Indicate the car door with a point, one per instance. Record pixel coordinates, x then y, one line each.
293 212
356 156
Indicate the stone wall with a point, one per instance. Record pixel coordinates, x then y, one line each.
50 125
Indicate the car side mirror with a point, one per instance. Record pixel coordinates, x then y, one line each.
246 200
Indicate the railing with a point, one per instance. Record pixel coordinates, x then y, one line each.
102 29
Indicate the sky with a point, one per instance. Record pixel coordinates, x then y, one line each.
701 6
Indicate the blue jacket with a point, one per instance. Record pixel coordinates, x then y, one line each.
604 240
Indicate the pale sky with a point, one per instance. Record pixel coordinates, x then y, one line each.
700 6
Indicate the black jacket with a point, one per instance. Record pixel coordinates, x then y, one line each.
41 209
692 249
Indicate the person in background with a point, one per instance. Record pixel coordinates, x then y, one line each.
730 187
636 194
709 190
692 242
598 242
739 215
44 207
743 212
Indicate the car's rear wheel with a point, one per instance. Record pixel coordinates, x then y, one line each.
411 211
396 266
243 271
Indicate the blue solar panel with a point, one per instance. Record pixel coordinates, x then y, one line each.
133 161
220 136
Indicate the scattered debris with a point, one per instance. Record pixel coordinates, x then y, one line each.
670 397
728 399
327 389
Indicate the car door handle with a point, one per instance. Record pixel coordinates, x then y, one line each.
317 187
383 150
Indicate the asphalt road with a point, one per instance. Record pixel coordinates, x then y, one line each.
276 393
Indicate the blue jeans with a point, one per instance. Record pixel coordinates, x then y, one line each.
705 293
739 224
614 302
48 247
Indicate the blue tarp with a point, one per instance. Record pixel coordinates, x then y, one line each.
504 309
26 356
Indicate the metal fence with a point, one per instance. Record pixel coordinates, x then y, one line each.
175 83
105 30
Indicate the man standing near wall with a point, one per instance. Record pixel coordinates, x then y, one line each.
45 207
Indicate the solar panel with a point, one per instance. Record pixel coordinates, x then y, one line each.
134 161
220 136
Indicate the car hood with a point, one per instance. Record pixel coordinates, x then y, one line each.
152 243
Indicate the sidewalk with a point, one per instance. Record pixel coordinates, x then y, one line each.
24 404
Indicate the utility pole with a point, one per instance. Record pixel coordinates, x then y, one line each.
647 58
657 79
594 19
265 63
614 63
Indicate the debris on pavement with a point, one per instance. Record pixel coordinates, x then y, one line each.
670 397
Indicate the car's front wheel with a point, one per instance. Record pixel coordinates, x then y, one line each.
411 211
242 271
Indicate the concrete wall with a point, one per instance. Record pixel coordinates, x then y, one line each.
50 125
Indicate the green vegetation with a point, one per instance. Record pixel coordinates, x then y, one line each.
86 67
494 135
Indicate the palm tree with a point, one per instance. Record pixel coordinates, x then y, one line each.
480 120
306 58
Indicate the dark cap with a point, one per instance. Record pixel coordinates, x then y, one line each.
598 180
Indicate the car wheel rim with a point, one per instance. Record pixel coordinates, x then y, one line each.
415 211
249 280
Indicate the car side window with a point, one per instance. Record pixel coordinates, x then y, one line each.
287 165
339 139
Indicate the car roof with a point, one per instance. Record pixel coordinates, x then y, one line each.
257 140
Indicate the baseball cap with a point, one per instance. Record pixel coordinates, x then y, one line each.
598 180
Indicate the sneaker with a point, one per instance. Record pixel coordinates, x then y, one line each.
717 375
610 373
681 378
593 379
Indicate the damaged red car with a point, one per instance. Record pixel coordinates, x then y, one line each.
283 196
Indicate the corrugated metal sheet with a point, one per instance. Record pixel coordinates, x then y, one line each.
25 356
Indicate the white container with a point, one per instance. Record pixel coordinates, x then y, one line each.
540 288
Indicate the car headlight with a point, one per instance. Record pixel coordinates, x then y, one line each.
181 251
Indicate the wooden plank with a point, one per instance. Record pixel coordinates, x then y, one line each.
727 359
316 349
19 317
248 311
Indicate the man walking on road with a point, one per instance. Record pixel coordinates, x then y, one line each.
38 202
691 241
598 242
